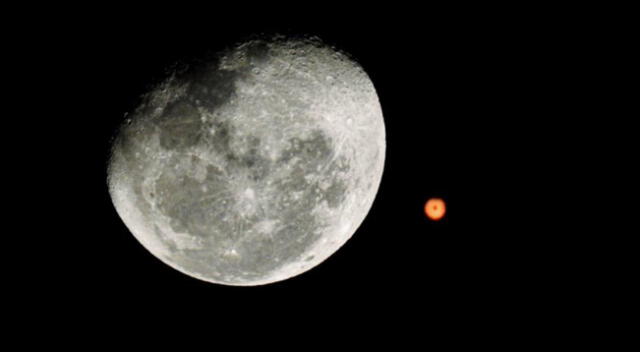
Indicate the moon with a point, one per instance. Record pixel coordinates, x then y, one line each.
252 166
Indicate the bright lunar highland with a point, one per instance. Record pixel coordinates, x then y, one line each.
253 166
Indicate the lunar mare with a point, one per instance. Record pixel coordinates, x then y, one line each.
252 167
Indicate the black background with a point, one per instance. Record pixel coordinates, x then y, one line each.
458 88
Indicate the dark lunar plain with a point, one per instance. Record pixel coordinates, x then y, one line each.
453 88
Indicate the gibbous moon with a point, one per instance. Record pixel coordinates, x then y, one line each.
254 166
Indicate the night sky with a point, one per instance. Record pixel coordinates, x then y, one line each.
450 87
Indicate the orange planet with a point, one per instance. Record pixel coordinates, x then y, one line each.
435 209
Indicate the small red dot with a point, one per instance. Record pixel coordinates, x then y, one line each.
435 209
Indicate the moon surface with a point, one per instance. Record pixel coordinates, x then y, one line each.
253 166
